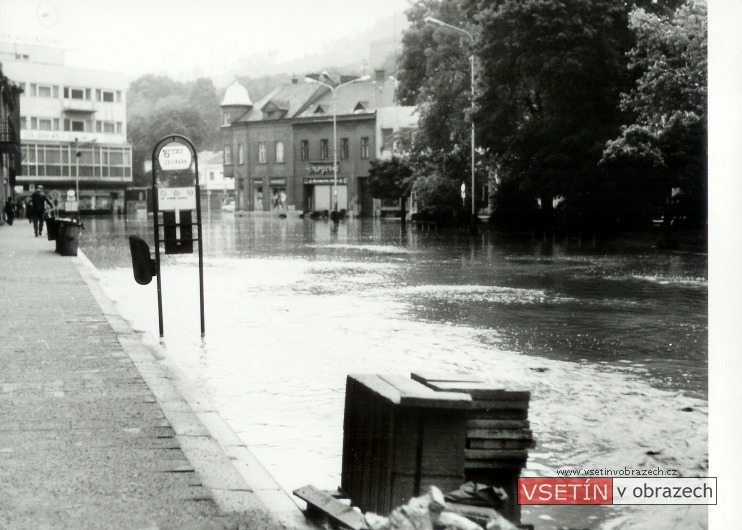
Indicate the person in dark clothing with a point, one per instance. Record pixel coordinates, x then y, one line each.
9 211
38 206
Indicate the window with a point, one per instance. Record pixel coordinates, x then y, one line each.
45 124
387 139
225 118
77 125
23 122
227 154
364 148
34 124
279 152
211 175
119 127
44 91
117 158
344 149
324 149
109 127
107 96
304 150
74 93
261 153
240 154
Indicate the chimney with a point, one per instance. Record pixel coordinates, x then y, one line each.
379 76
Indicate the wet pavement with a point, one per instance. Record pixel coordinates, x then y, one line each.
612 341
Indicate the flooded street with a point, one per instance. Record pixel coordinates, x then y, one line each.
612 345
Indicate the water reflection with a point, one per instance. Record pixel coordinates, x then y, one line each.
612 344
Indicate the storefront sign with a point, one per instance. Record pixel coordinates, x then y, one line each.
341 180
320 169
278 182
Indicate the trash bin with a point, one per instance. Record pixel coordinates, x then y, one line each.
52 228
68 237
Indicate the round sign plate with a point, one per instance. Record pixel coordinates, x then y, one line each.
175 157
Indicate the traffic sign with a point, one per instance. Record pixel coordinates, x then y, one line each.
175 157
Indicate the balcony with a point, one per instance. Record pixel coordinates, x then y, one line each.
10 142
79 106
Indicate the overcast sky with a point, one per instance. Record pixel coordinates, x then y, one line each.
180 37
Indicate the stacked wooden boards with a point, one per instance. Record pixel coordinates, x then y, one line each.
498 433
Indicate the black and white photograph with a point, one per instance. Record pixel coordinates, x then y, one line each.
369 264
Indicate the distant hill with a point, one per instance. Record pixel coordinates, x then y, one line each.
356 55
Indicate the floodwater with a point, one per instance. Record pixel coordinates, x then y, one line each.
612 344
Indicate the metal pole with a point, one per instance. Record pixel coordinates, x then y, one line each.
200 243
156 214
473 211
77 177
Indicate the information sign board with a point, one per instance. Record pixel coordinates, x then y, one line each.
171 199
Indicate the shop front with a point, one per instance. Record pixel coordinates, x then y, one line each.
319 196
270 193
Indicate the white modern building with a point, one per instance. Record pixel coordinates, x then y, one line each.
214 186
72 127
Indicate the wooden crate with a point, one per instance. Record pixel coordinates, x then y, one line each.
399 438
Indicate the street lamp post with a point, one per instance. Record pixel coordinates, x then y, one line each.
435 21
77 169
77 175
333 89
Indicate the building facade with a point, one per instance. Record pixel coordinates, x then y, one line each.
215 188
10 139
281 149
73 130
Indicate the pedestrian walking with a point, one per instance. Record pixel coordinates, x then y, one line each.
39 200
9 211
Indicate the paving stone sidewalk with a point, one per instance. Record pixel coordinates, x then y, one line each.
94 431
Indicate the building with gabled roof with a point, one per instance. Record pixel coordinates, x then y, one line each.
280 149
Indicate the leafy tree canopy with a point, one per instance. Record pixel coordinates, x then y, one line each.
389 179
552 71
157 106
667 136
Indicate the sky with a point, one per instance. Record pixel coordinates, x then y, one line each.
188 38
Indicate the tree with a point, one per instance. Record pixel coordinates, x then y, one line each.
551 75
390 179
204 100
666 140
158 106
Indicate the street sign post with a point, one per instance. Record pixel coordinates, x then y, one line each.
174 153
